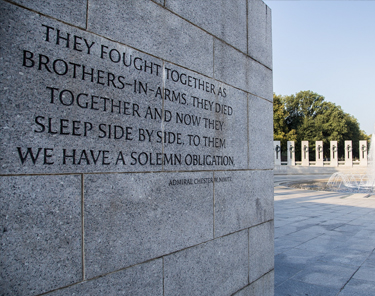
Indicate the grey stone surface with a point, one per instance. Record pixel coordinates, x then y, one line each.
261 253
72 12
365 273
40 233
232 15
260 80
161 2
358 288
332 275
263 286
282 245
148 27
218 267
231 66
28 93
235 68
98 196
371 260
334 256
133 218
243 202
142 279
293 287
341 255
211 119
260 133
291 262
260 32
64 134
318 243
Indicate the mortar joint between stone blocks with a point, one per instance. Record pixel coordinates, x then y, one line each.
225 42
87 14
248 255
83 225
45 15
213 205
134 172
247 27
271 270
163 276
142 51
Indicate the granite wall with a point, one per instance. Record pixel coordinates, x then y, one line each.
136 148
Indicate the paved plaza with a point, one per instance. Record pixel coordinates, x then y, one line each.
324 241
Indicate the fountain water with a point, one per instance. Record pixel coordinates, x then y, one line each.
357 182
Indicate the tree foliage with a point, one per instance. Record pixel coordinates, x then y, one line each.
306 116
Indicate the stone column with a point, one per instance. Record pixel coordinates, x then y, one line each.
319 153
363 153
305 153
334 161
348 153
277 152
291 153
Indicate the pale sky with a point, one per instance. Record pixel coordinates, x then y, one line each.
327 47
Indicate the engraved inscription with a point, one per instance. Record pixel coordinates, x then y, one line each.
94 104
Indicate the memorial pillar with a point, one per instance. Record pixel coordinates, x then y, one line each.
291 153
277 152
334 161
348 153
319 153
305 153
363 153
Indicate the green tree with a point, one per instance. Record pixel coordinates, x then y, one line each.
306 116
281 130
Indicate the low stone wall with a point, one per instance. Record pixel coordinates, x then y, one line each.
296 170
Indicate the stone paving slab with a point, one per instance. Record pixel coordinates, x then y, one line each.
293 287
324 241
358 288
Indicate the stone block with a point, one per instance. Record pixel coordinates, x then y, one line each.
358 287
260 133
231 66
294 287
263 286
260 32
261 250
161 2
72 12
260 80
365 273
242 199
209 117
82 108
40 240
218 267
237 69
333 275
133 218
146 26
225 20
142 279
